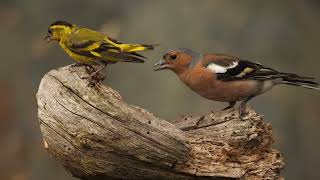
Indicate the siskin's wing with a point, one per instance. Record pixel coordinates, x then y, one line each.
94 45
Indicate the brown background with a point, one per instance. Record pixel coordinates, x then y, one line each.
282 34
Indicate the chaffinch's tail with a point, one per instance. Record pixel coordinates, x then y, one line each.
296 80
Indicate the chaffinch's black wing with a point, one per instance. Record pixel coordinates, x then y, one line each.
229 68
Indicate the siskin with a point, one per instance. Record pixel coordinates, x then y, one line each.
89 47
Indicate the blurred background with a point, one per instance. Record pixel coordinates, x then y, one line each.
282 34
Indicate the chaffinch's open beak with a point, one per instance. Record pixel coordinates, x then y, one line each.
160 65
48 38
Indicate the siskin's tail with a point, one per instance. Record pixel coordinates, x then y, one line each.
124 57
136 47
296 80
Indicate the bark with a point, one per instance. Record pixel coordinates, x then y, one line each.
94 134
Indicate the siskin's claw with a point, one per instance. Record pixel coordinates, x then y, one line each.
73 66
95 79
92 82
90 69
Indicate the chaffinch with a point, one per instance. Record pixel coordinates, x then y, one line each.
227 78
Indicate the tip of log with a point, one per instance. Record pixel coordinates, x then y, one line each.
94 134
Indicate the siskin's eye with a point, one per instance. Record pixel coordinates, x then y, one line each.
173 57
50 31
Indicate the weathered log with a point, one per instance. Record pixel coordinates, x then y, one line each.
94 134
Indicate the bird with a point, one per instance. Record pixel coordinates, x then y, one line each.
226 78
89 47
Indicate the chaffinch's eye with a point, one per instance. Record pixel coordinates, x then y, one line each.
173 57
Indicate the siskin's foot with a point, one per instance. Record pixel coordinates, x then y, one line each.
95 78
73 66
89 69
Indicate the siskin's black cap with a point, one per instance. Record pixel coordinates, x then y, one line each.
61 23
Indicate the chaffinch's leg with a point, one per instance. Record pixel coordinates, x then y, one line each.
243 106
231 105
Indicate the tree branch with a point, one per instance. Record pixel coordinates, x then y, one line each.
95 135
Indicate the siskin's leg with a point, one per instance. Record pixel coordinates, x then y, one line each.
94 80
231 105
72 66
96 76
88 67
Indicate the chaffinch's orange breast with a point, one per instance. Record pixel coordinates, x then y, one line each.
204 82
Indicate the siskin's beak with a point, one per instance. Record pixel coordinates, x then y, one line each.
48 38
160 65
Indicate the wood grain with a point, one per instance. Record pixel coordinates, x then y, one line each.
94 134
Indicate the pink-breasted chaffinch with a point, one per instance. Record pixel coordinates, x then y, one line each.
227 78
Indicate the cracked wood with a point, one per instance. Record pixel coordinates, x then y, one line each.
94 134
